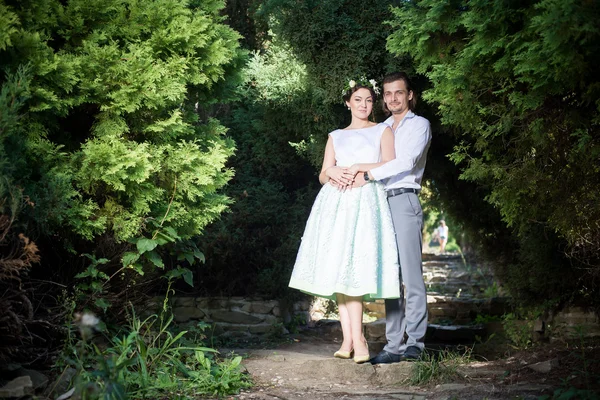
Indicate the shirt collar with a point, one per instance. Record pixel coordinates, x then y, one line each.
390 121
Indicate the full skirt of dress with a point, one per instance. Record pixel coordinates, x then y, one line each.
349 246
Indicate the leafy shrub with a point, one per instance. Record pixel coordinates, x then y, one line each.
109 89
252 249
518 331
524 130
147 360
102 132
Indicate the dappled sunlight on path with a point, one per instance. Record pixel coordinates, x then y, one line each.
304 368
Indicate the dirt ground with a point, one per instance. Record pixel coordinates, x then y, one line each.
303 368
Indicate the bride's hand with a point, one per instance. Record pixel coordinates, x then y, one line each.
340 176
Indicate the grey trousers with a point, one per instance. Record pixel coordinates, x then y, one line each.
406 318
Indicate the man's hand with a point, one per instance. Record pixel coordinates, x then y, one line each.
359 180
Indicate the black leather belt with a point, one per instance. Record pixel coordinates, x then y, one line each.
396 192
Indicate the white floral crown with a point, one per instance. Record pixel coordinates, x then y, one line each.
362 81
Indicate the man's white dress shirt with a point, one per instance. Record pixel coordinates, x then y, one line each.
411 141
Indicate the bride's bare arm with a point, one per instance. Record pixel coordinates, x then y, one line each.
330 172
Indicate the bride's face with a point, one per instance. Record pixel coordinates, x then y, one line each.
361 103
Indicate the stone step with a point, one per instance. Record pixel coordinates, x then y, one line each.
440 257
448 334
457 310
454 334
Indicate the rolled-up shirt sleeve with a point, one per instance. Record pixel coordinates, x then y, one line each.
408 152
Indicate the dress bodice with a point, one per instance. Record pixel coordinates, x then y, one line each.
354 146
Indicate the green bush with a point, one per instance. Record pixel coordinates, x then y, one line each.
100 99
516 88
148 360
252 249
518 331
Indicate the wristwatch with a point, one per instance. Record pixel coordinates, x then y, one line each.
367 179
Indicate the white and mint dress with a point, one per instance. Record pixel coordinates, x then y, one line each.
349 245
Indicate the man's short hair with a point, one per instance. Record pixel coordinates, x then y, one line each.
401 76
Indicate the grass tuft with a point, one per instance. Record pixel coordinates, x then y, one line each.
441 367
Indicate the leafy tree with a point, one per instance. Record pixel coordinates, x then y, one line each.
516 83
108 142
337 40
252 248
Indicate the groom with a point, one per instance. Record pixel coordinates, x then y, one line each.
406 319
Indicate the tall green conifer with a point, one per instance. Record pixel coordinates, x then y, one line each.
107 139
518 84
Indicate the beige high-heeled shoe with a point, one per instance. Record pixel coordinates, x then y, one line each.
345 355
362 359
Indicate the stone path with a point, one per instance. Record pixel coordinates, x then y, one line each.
305 368
457 292
453 275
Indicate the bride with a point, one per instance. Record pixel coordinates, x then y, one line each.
348 251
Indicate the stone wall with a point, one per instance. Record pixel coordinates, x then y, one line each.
237 316
572 322
245 317
451 309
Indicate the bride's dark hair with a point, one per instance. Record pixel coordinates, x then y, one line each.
349 92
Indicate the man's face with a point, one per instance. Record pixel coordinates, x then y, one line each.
396 96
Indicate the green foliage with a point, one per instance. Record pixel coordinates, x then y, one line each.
337 40
90 289
252 249
297 321
148 360
13 95
452 246
105 93
518 330
492 291
516 86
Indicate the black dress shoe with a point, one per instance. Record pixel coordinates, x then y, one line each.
385 358
412 353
